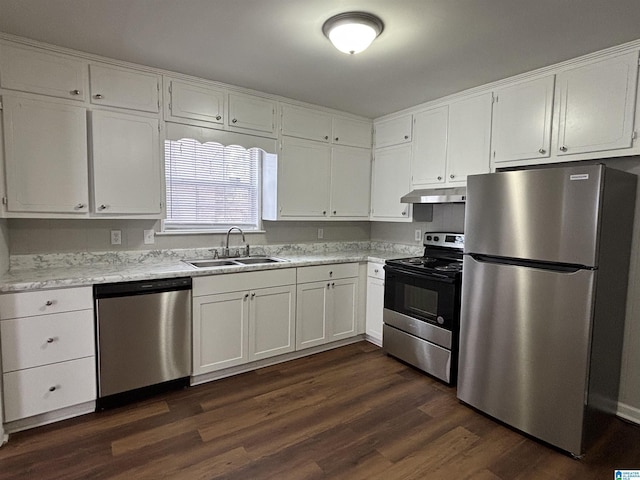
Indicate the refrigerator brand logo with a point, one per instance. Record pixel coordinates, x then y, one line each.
627 475
579 176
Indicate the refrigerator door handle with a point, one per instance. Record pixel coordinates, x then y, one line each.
554 267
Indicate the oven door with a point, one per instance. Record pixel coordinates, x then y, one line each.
427 297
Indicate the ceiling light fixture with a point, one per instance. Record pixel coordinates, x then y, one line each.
352 32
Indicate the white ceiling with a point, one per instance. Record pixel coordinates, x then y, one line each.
429 48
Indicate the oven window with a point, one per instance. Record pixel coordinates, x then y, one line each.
421 301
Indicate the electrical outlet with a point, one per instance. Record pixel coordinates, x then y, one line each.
320 234
418 235
149 237
116 237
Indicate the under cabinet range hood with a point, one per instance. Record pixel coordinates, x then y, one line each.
436 195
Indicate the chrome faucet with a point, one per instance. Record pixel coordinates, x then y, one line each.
225 252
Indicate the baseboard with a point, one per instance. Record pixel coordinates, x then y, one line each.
629 413
375 340
50 417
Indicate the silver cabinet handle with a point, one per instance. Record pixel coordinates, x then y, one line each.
452 176
376 270
98 96
246 295
218 117
253 295
337 138
326 137
542 151
80 206
103 207
235 120
439 178
563 148
333 284
328 285
75 92
406 137
52 389
404 212
335 211
50 340
324 212
331 273
48 303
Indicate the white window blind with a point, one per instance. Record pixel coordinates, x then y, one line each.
211 186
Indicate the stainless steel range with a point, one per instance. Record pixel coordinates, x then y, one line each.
422 306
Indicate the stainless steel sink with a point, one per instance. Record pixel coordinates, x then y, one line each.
226 262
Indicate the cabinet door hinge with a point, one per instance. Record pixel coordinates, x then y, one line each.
634 135
169 87
0 104
494 154
494 98
4 201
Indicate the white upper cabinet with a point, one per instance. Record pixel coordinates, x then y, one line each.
391 179
522 120
45 156
428 163
393 132
469 138
30 70
189 101
303 179
350 182
251 113
124 88
126 164
302 122
596 105
351 132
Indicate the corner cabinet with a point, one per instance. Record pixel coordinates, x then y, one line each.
243 317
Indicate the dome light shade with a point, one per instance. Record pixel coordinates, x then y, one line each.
352 32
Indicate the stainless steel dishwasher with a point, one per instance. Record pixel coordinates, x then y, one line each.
143 332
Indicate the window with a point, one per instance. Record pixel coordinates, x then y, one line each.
211 186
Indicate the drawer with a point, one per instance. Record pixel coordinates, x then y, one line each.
375 270
320 273
42 302
45 389
44 339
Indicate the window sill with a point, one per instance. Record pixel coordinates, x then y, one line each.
204 232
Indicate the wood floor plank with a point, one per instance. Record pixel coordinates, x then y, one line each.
350 413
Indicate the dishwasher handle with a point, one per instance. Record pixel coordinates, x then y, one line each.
143 287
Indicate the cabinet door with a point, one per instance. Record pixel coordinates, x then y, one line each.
393 132
522 120
196 102
305 123
312 314
344 308
597 105
46 156
351 132
350 182
469 138
36 71
126 164
271 321
247 112
391 179
303 179
124 88
375 306
429 146
220 331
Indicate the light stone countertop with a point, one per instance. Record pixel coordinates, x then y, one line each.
85 269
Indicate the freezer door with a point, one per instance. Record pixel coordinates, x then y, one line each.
524 348
549 214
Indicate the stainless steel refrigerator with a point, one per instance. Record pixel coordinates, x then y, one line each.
545 276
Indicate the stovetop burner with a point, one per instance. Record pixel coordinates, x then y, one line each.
442 255
451 267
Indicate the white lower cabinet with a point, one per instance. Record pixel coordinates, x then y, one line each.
48 351
375 302
239 318
327 304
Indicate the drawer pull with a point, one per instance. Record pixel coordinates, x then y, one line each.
331 273
376 270
52 389
51 340
49 303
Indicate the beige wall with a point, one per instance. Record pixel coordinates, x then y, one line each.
35 236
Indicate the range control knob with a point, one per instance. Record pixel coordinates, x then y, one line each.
440 320
429 238
435 239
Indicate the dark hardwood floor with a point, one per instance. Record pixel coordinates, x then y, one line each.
350 413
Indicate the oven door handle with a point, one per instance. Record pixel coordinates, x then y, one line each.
420 276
